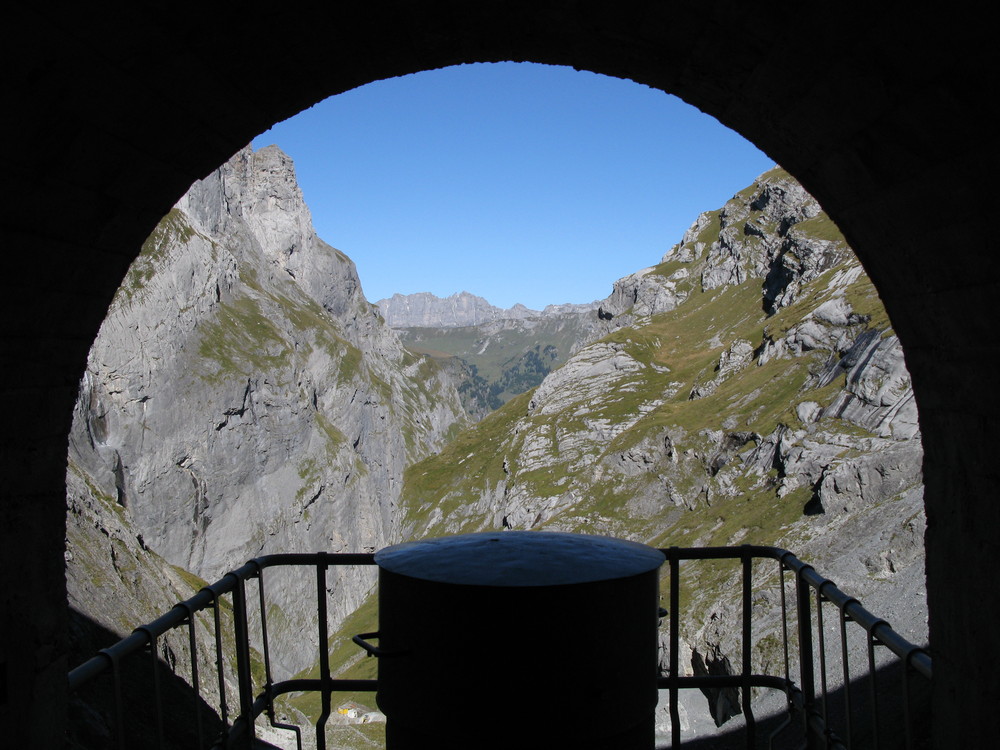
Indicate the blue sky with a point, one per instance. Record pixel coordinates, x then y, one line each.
518 182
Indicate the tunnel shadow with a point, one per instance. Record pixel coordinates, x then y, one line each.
92 713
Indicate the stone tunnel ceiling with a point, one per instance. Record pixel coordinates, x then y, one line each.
888 118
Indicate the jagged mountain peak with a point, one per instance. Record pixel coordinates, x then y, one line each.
772 231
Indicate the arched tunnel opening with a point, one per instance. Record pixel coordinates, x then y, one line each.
199 296
873 121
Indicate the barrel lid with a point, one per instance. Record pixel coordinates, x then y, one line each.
519 558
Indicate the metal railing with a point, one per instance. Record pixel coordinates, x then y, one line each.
807 703
810 718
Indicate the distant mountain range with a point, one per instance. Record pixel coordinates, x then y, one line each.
426 310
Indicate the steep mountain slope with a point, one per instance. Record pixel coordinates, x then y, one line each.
243 397
751 391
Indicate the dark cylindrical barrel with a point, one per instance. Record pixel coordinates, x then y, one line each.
518 639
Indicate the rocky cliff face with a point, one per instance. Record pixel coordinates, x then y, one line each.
243 397
749 390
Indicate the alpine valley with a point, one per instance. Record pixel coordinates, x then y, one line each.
243 398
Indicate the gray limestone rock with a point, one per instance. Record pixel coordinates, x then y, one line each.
244 398
645 293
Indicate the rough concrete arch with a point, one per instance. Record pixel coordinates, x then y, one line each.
886 116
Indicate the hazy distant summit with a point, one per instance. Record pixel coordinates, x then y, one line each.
426 310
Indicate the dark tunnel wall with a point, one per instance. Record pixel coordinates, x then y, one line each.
888 117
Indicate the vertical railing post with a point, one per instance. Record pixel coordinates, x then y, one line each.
907 713
268 677
675 598
324 653
787 720
243 673
220 663
806 671
821 635
873 694
116 678
195 686
848 730
784 620
266 646
747 669
157 695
